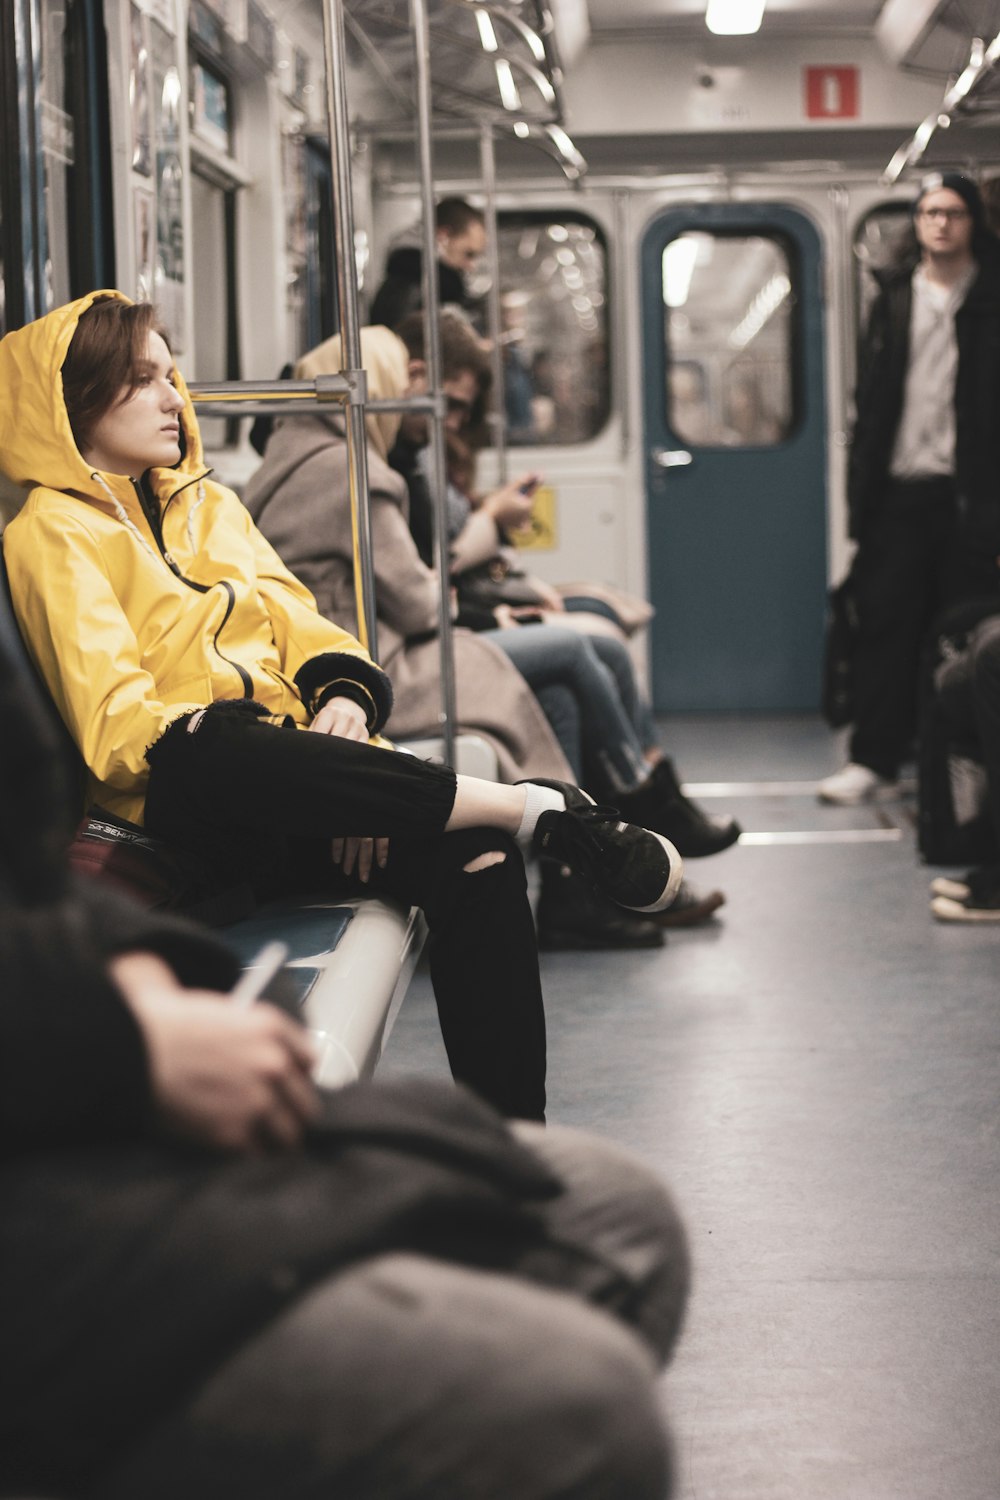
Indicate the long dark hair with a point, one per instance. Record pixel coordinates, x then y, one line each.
106 360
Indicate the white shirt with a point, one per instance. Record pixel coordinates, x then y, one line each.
925 439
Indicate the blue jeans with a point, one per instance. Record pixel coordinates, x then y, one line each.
588 691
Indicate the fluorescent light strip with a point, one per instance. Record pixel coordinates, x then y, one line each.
487 35
508 88
734 17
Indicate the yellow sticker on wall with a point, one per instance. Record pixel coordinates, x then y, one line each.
540 533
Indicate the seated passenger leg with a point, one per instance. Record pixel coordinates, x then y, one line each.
405 1377
483 960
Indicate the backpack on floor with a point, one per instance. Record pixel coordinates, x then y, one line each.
954 826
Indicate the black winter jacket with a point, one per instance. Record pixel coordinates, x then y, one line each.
129 1267
882 362
402 291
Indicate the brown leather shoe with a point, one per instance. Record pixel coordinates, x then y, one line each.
691 908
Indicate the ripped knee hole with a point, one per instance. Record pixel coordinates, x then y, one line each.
484 861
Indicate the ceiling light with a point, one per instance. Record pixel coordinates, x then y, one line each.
734 17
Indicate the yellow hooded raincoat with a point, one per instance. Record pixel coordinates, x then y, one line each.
131 631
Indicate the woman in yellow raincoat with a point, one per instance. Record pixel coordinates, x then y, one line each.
183 657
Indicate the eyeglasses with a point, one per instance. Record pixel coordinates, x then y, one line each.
949 215
457 407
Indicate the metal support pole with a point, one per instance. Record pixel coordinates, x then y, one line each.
488 168
335 50
439 473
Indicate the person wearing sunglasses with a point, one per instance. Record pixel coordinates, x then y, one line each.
924 472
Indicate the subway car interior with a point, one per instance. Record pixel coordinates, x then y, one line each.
684 231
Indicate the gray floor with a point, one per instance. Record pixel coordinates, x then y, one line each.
817 1076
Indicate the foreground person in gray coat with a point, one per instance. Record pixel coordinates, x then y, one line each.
217 1281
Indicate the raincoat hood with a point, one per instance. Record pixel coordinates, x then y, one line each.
386 362
37 446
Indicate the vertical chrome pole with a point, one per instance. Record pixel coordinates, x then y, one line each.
488 169
439 472
350 333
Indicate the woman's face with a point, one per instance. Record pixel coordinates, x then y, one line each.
142 431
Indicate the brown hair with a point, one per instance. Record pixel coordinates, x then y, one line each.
106 360
461 347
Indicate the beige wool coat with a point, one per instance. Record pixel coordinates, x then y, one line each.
299 500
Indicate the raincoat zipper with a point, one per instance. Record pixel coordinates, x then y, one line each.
147 503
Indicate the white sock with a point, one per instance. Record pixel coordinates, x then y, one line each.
537 799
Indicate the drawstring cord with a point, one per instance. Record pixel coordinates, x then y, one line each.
199 502
122 513
126 519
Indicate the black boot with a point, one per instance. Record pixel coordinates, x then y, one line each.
573 916
660 804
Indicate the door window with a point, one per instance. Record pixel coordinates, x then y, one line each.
728 321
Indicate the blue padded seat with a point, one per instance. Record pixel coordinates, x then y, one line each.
310 933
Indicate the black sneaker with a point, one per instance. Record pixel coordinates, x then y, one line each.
637 869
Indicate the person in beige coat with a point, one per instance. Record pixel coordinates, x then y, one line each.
299 498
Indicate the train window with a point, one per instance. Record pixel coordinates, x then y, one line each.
728 324
216 180
881 238
554 309
311 273
167 235
57 153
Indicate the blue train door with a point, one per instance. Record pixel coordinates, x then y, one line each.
735 457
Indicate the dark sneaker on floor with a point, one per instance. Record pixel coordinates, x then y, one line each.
691 907
573 917
635 867
661 806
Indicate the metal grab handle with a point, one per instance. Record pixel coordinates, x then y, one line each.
671 458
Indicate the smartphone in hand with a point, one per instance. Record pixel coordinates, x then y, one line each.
530 485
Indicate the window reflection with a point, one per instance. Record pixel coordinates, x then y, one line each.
58 147
553 305
727 302
883 237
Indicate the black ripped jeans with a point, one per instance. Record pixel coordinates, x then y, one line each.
262 802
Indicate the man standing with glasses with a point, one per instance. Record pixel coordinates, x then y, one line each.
924 475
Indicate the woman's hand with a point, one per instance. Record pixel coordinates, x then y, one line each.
360 853
344 718
509 506
236 1079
